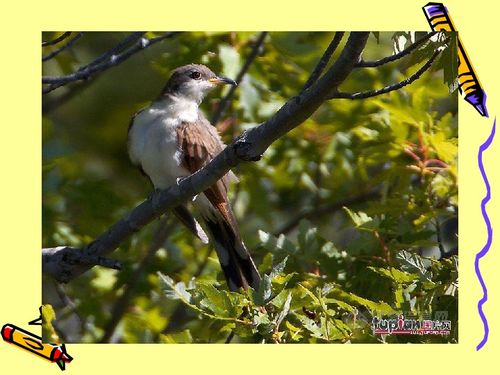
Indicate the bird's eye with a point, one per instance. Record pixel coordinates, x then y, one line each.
195 75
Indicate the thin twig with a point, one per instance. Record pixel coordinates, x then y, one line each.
319 211
64 47
93 68
108 55
52 102
229 96
439 238
323 61
397 56
385 90
60 38
386 252
71 306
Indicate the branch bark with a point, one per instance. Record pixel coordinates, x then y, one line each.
397 56
104 62
323 61
64 47
393 87
56 40
248 147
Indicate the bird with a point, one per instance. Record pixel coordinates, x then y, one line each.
171 139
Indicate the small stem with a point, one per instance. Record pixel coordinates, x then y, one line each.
406 51
229 96
385 90
323 61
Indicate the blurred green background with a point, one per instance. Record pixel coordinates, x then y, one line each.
349 153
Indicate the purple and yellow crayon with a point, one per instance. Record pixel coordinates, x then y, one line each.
469 86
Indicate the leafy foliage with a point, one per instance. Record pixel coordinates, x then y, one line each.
350 216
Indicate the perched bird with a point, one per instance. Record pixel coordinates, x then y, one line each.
172 139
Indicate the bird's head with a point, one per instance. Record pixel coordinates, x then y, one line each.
193 82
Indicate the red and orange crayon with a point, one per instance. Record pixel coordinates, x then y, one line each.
34 344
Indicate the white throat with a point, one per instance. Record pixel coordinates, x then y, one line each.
180 108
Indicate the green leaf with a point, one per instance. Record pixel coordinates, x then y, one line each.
263 324
48 332
394 274
361 219
105 278
183 337
268 241
249 99
311 326
376 308
330 250
343 305
262 295
446 150
286 309
449 62
217 301
308 182
279 268
308 237
230 59
174 290
412 262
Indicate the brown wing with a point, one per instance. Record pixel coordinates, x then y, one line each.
200 143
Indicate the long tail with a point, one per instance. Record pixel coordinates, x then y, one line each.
236 262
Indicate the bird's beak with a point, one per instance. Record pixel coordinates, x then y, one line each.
222 81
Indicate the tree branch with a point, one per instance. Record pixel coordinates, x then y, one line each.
384 90
229 96
108 55
60 38
323 61
104 62
53 257
248 147
56 52
397 56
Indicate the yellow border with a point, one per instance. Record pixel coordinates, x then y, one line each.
20 155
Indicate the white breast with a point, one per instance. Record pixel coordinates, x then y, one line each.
152 140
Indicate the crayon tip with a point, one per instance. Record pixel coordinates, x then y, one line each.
478 100
61 364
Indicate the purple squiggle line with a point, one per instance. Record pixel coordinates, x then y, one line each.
489 229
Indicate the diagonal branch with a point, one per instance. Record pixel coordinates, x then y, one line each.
248 147
229 96
323 61
104 62
64 47
108 55
393 87
397 56
54 41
